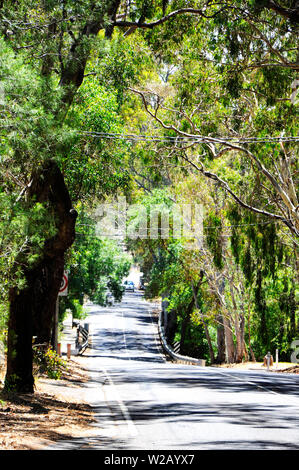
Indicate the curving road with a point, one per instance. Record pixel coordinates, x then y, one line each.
141 401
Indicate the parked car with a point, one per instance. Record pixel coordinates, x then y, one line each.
129 285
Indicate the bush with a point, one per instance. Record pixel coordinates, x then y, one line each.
48 362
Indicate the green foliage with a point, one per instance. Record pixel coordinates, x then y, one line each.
96 267
28 135
228 73
213 239
95 166
48 362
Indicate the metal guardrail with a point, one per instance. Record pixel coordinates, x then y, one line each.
177 357
82 339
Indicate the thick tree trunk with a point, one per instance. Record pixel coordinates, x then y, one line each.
32 308
19 375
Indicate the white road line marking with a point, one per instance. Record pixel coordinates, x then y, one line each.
125 412
249 382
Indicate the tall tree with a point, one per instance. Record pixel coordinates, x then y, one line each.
56 39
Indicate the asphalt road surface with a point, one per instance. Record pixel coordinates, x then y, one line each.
142 401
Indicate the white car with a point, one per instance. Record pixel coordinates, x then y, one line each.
129 285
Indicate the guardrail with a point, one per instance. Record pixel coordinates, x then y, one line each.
177 357
82 339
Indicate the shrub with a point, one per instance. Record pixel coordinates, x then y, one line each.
48 361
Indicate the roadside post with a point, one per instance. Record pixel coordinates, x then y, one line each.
269 359
68 353
62 292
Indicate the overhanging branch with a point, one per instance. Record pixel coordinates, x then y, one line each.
291 224
173 14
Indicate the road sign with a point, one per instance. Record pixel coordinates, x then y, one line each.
64 284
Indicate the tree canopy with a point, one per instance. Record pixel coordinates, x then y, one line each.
161 102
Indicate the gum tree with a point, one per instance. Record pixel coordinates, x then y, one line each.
56 40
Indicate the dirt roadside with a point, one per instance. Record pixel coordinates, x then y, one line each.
55 411
282 367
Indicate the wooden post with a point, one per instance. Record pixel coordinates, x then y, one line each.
68 350
59 349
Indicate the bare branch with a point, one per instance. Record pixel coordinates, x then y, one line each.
292 223
173 14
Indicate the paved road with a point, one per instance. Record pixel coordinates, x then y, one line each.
143 402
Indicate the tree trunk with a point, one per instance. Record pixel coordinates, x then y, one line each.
19 375
184 326
206 330
239 327
170 330
229 340
239 341
249 334
220 341
208 337
32 308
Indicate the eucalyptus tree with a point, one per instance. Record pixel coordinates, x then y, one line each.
228 112
56 40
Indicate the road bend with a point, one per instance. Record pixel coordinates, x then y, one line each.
142 401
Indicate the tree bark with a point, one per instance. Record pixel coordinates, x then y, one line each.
206 330
184 326
229 340
32 308
220 341
239 327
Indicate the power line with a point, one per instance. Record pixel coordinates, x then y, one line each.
189 138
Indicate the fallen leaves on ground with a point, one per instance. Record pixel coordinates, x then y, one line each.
55 411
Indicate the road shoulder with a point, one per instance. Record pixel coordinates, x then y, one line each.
56 411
